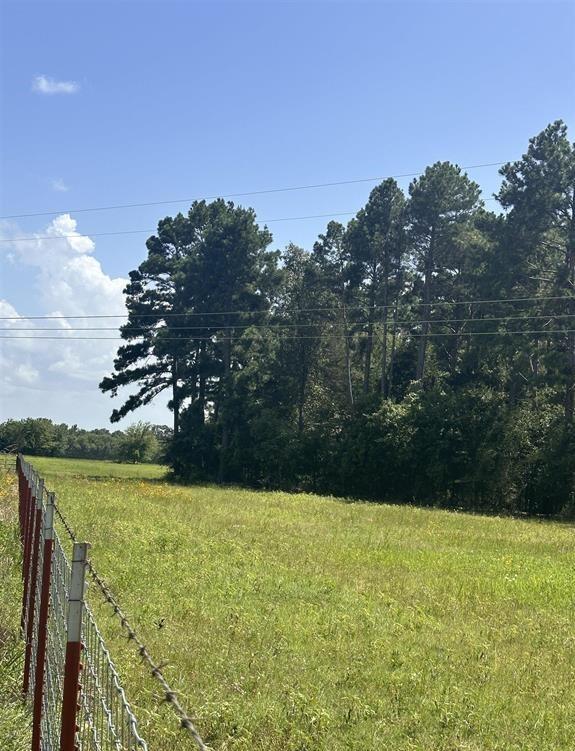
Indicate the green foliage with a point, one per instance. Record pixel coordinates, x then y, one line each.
301 622
40 436
367 367
139 443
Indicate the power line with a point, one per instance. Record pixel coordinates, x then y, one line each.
217 340
77 235
213 338
235 195
89 235
169 314
279 326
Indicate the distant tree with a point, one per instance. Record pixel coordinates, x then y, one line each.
300 298
164 436
442 202
423 352
375 242
331 254
183 324
539 192
158 342
39 436
139 443
32 436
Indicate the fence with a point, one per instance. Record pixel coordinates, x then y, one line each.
70 682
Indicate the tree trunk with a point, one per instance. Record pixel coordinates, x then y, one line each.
458 312
384 343
393 345
302 385
301 398
202 384
426 309
570 258
535 370
347 354
175 397
369 344
570 387
223 412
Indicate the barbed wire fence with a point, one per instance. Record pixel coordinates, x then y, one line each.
70 681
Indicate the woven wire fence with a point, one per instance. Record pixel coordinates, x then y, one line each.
55 648
34 614
104 720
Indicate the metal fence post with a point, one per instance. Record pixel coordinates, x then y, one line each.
43 621
70 698
26 512
75 692
32 580
29 516
20 495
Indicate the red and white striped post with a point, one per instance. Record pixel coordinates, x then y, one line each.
72 666
43 622
34 554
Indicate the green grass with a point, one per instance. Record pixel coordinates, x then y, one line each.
300 623
14 717
91 469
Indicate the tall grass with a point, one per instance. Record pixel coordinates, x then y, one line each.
300 623
14 717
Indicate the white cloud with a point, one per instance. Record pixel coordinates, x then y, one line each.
7 310
16 355
46 85
59 186
58 378
67 276
63 279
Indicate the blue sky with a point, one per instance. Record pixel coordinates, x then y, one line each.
153 101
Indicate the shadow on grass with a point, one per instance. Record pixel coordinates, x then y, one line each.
566 520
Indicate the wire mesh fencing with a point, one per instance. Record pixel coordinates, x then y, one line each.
106 720
55 648
70 681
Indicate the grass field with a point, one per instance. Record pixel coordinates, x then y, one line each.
300 623
14 718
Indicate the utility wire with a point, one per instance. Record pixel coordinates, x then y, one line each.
280 326
169 314
79 236
235 195
212 338
216 340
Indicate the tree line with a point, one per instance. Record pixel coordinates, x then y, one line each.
140 442
424 352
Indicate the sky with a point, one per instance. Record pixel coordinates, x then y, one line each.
107 103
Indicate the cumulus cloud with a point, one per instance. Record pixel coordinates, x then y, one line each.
59 186
16 354
67 275
65 279
58 377
42 84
